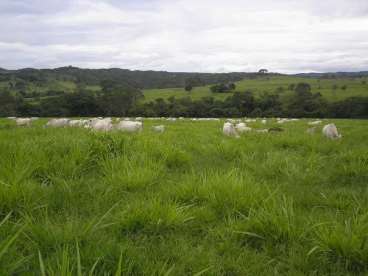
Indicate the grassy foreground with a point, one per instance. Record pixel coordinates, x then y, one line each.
186 202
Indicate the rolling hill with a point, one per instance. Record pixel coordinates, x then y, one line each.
344 87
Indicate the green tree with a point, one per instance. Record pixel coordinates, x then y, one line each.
82 103
303 88
188 87
116 98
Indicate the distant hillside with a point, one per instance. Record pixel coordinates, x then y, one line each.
334 75
138 79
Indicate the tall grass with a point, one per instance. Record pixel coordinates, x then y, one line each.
186 202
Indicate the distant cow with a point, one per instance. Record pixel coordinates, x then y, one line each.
242 127
78 123
330 131
129 126
101 124
58 122
229 130
23 121
159 129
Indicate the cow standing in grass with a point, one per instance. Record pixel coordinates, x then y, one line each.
229 130
158 129
330 131
101 124
242 127
62 122
23 121
129 126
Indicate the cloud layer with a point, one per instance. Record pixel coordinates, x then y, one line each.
186 35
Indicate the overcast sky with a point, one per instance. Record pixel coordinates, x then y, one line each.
186 35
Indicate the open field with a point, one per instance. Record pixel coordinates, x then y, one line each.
355 87
188 201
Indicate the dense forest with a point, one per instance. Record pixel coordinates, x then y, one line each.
119 93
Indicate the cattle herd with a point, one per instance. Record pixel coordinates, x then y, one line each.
231 127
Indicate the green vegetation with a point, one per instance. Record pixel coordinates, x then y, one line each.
353 87
72 91
70 77
186 202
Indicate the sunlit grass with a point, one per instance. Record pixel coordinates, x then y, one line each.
189 201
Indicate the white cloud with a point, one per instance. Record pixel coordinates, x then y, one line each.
187 35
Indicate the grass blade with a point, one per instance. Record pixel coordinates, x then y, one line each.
42 266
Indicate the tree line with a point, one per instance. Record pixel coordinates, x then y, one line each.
116 99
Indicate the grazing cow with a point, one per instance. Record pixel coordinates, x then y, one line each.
275 129
159 129
314 123
229 130
264 121
57 122
74 123
330 131
23 121
78 123
242 127
101 124
129 126
233 121
283 120
250 120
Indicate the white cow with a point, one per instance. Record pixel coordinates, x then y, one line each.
264 121
229 130
78 123
250 120
330 131
101 124
159 129
23 121
281 121
62 122
242 127
129 126
314 123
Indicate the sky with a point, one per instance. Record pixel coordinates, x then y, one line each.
286 36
